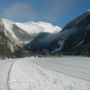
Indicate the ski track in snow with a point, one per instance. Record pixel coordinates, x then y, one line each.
8 77
26 74
5 67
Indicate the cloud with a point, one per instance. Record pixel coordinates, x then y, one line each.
45 10
21 11
56 8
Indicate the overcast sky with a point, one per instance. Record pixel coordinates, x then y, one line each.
57 12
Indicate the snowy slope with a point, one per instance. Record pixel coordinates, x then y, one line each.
9 26
21 32
37 27
39 74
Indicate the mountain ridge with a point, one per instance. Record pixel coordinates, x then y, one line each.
19 34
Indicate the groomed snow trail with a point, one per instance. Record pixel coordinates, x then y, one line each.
26 75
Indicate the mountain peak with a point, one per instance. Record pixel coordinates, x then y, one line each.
20 31
37 27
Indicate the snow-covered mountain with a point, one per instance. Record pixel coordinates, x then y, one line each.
24 32
18 34
38 36
74 35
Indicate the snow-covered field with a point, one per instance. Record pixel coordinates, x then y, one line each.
50 73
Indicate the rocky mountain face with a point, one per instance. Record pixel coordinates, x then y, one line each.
75 36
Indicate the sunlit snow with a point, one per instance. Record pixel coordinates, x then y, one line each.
50 73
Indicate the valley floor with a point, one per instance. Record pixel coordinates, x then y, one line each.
34 73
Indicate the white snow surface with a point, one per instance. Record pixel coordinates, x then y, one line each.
51 73
31 27
37 27
8 26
